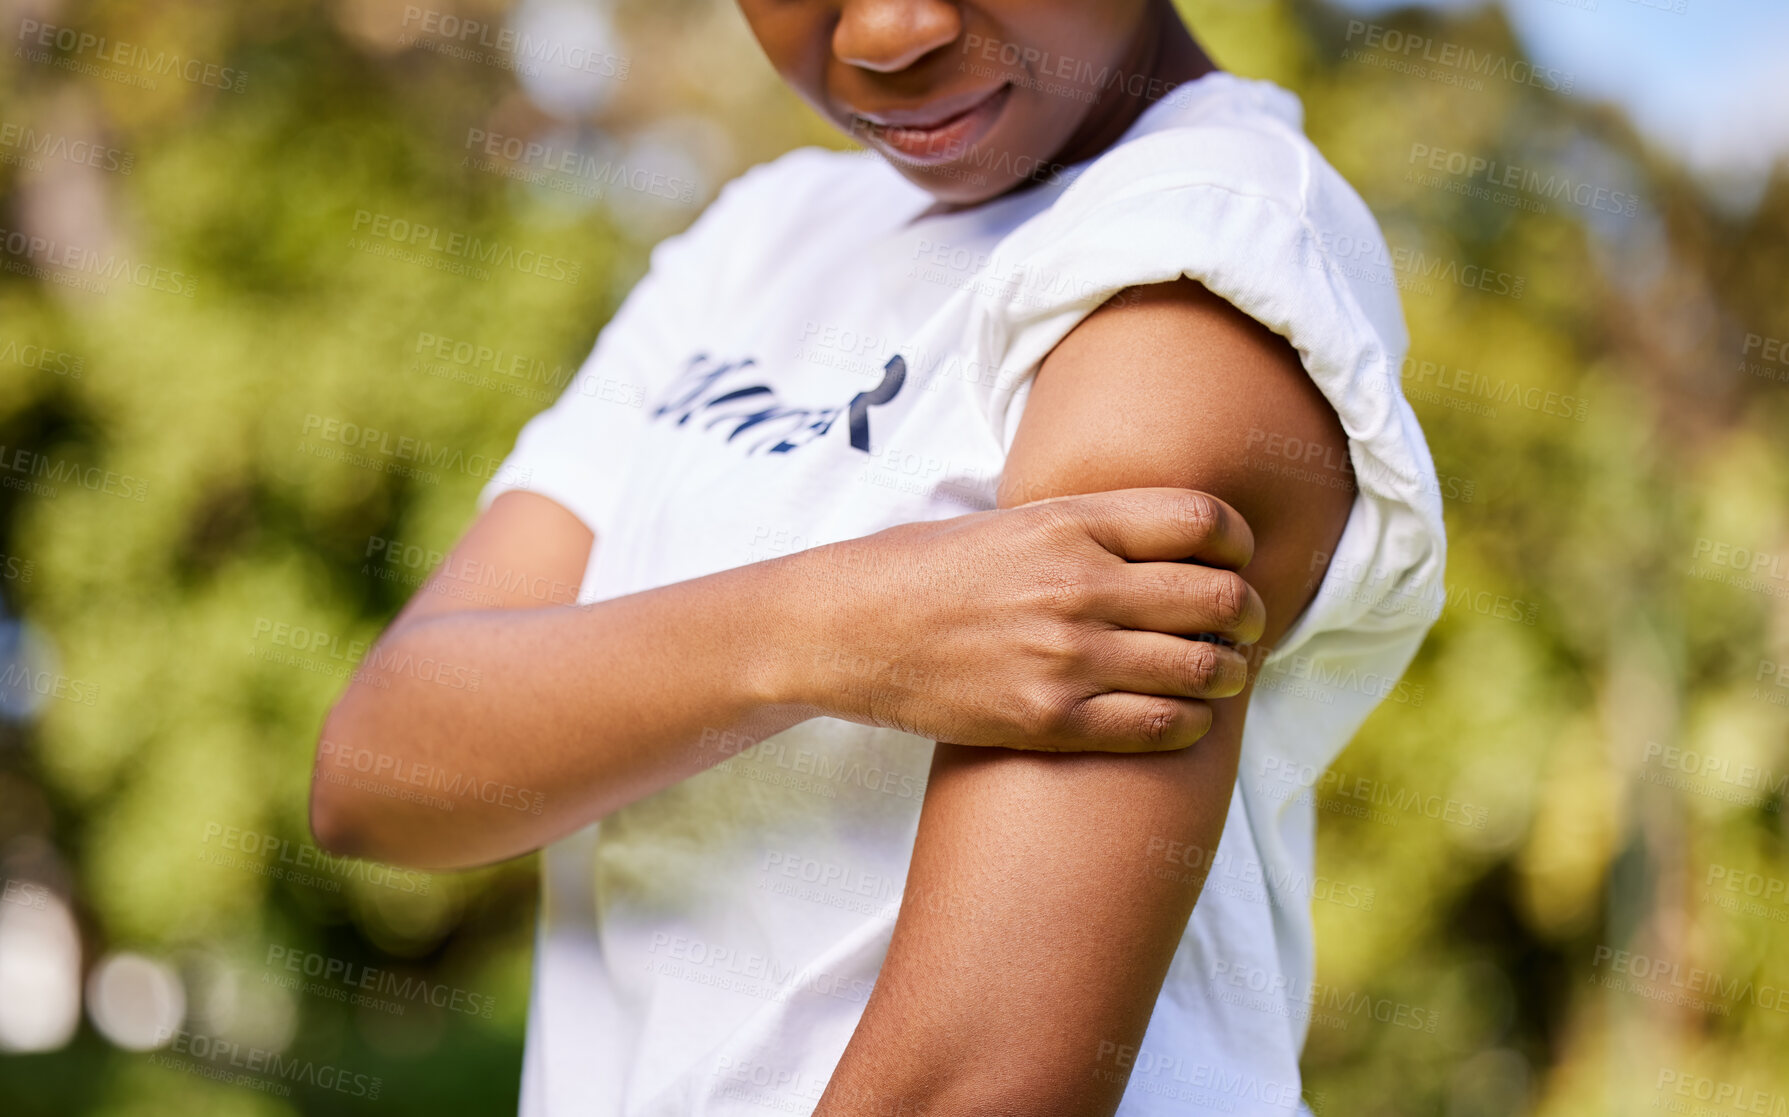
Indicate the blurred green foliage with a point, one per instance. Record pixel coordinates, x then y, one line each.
1547 716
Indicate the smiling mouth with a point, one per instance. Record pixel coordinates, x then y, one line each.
940 139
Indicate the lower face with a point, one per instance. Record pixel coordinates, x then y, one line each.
967 100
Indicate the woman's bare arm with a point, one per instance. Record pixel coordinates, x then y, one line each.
1031 1005
493 716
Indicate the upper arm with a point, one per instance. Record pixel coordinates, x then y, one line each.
1174 386
1069 932
524 551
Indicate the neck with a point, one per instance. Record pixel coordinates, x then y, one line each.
1164 56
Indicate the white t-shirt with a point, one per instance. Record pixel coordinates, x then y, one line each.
709 950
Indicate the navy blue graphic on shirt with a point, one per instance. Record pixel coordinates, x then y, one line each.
894 374
709 391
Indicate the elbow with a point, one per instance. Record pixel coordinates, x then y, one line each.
337 815
333 827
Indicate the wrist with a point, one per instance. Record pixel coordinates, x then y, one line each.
795 625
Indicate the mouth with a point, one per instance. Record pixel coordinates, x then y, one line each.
937 133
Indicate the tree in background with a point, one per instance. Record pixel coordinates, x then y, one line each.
1552 865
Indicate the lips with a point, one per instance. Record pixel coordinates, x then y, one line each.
938 132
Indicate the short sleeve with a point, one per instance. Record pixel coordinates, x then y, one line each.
1245 205
577 452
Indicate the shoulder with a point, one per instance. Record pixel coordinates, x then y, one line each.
1224 189
1227 192
1221 175
1239 135
809 183
773 208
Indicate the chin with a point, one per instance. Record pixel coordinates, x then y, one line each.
966 189
962 184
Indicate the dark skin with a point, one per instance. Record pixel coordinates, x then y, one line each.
672 655
1079 72
1019 1010
1016 1011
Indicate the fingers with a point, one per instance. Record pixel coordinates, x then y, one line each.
1120 722
1171 666
1183 599
1166 525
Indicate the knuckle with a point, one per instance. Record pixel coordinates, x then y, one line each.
1155 726
1233 673
1227 598
1199 514
1052 517
1199 665
1045 714
1064 591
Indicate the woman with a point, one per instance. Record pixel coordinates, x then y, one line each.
959 443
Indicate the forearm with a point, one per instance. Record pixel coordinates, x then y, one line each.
577 711
985 1004
927 627
1026 1007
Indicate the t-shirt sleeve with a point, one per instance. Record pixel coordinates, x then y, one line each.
578 450
1263 222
